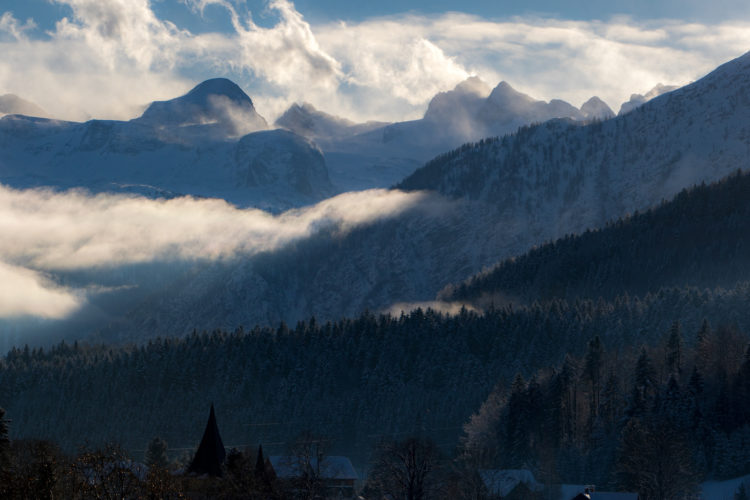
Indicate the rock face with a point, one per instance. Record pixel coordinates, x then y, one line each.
194 145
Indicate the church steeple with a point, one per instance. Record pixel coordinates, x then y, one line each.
211 454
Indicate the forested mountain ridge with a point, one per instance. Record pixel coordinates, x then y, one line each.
357 380
333 274
354 381
700 238
560 177
659 424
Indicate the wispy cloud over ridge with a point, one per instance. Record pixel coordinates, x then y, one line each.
111 57
61 231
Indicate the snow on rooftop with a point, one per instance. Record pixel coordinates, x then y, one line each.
502 481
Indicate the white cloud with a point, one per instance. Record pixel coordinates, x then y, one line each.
12 29
24 292
61 231
551 58
111 57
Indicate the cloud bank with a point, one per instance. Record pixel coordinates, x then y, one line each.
73 230
112 57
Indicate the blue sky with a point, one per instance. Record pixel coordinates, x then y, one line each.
364 60
46 13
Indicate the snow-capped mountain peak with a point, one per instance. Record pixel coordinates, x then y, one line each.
474 85
463 102
219 102
596 109
505 95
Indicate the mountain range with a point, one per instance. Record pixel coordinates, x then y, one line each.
562 177
511 193
199 144
372 154
495 198
187 145
568 244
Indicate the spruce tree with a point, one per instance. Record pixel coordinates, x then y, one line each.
4 442
593 364
674 350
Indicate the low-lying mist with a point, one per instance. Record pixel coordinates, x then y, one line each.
65 250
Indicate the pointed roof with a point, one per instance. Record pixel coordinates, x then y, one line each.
211 453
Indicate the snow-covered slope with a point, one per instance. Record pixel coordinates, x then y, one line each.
190 145
11 104
563 177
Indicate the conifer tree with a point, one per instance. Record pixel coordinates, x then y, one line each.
4 443
593 365
674 350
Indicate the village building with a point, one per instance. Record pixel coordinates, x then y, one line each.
510 483
336 473
211 453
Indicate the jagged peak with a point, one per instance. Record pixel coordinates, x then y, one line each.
504 92
596 108
216 101
474 85
220 87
